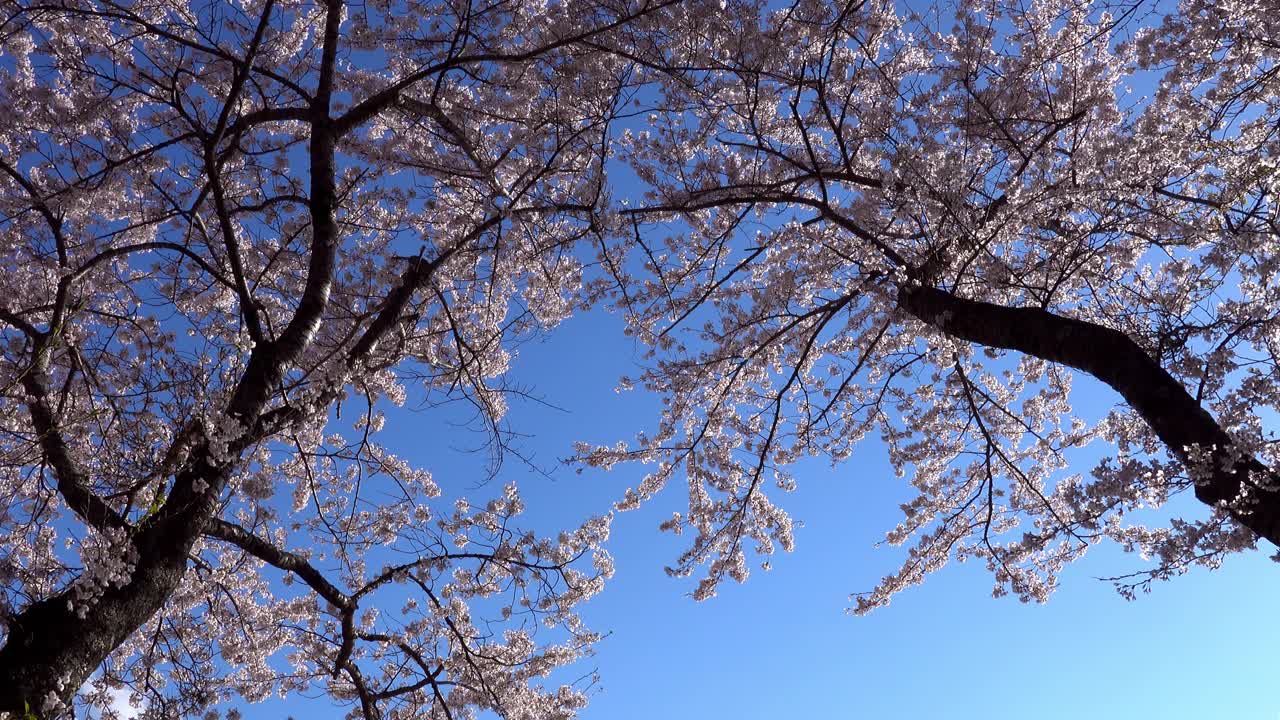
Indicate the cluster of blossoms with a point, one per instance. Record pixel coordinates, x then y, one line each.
109 559
239 237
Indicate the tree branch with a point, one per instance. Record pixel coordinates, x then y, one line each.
72 479
1115 359
278 558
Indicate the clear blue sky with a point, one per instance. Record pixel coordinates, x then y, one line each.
781 646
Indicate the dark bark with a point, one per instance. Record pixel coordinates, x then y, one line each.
1115 359
50 648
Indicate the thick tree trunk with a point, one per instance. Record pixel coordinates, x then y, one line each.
50 648
1115 359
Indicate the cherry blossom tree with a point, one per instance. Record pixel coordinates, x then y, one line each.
924 224
236 235
233 235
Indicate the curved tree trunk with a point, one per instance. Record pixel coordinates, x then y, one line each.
1115 359
50 648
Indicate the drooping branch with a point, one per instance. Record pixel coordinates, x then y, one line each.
1245 485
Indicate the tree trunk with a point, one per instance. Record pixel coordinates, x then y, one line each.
1115 359
51 649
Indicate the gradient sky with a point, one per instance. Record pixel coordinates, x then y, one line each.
782 646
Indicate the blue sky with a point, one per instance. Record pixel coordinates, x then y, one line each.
782 645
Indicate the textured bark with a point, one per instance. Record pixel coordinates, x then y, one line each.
1115 359
50 648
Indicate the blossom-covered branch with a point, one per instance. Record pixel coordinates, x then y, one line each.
992 208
